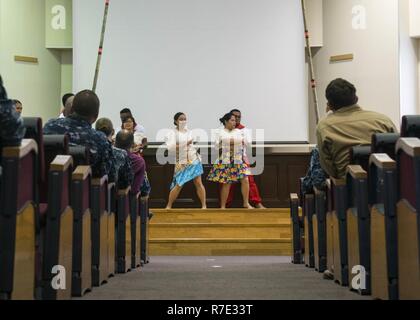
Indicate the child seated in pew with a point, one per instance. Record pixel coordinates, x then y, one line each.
316 177
125 141
124 172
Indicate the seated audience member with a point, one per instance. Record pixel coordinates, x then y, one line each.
140 130
12 129
129 124
67 101
348 126
78 126
316 176
124 173
125 141
68 107
18 106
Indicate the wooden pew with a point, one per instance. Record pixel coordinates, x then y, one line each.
54 145
82 246
330 227
123 231
18 221
408 206
135 230
144 233
383 200
80 154
99 224
319 224
112 224
33 131
385 143
308 212
358 229
410 126
297 257
359 155
339 225
58 232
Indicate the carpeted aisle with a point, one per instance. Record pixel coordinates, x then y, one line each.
221 278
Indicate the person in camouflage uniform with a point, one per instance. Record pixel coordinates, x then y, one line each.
78 126
12 129
316 176
124 172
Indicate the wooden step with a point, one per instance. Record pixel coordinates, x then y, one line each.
220 247
220 216
220 230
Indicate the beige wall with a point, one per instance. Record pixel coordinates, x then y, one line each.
414 18
22 32
314 16
375 68
409 58
66 71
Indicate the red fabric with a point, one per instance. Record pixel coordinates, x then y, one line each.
254 194
407 179
25 180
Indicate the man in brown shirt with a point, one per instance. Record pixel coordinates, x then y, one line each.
348 126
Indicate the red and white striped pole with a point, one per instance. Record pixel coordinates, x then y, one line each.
101 46
311 63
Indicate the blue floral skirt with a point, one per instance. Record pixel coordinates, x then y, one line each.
187 174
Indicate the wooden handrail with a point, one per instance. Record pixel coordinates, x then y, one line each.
81 173
27 146
382 161
61 163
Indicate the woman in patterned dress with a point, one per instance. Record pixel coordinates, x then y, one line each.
188 166
230 167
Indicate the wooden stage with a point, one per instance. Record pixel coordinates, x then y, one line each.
215 232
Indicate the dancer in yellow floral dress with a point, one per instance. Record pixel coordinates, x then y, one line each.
230 167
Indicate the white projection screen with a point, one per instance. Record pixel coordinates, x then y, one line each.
201 57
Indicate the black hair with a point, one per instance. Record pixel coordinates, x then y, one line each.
66 97
177 116
125 110
235 110
104 125
340 93
15 101
125 119
226 118
3 93
124 140
86 104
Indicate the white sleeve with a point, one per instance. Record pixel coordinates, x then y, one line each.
216 138
247 137
170 141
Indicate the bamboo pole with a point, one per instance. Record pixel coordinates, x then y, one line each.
101 45
311 62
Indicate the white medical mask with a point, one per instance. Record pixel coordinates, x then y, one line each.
182 125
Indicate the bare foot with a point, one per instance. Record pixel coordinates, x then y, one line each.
204 208
248 206
260 206
168 208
